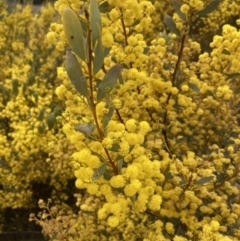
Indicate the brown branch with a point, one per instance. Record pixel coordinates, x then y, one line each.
174 76
89 65
225 180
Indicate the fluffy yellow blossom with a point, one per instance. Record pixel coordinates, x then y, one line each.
184 8
215 225
132 171
131 125
107 39
103 213
113 221
155 202
170 228
118 181
132 188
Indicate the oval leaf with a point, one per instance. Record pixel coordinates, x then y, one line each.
108 116
95 22
105 7
177 5
108 81
15 86
203 180
98 56
73 31
99 172
85 128
171 25
209 8
51 120
41 114
75 74
194 87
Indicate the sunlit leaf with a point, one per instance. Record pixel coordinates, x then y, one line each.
85 128
171 25
75 74
73 31
209 8
194 87
108 81
98 56
177 5
99 172
203 180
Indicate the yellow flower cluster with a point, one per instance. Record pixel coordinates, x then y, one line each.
158 154
31 155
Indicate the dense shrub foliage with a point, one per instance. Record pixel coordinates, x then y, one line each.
33 151
150 113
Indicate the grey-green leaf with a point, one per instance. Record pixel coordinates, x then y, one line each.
41 114
194 87
108 116
107 176
73 31
177 5
15 86
75 74
120 165
105 7
171 25
209 8
51 120
108 81
95 21
203 180
98 56
85 128
99 172
41 128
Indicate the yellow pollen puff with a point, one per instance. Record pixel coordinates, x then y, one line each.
131 125
107 142
132 171
114 14
155 202
196 4
113 221
170 228
185 88
215 225
116 208
107 39
174 90
132 40
184 8
131 189
103 213
118 181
